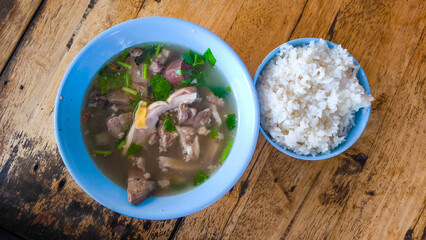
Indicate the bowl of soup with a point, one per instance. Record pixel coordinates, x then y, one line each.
156 118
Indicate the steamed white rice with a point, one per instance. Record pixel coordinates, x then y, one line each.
308 96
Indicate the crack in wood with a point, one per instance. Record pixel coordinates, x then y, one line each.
140 8
296 214
330 33
176 228
239 196
298 20
17 46
82 20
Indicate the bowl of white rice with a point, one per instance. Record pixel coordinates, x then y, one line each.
314 99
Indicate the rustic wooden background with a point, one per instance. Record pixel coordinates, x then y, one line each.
375 190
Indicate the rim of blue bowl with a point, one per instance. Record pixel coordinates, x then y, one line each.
207 197
358 128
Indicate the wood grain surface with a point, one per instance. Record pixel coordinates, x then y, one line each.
375 190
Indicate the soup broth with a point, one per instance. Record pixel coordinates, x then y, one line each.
158 119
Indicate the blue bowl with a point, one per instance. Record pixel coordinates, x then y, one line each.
361 117
84 67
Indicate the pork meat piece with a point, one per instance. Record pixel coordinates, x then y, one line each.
169 163
117 97
216 115
153 139
135 52
117 124
167 139
163 57
155 68
138 187
203 118
190 144
171 75
186 114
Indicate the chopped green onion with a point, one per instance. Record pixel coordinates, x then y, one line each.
145 71
121 144
227 149
135 102
161 87
124 55
168 125
213 133
128 66
200 178
228 88
231 121
134 148
127 77
129 90
208 55
183 72
158 49
105 153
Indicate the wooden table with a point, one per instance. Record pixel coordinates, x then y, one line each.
375 190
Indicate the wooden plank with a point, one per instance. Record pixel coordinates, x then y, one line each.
253 21
15 15
217 16
342 178
37 191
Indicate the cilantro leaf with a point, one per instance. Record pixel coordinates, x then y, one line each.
183 72
108 82
228 88
168 125
227 149
231 121
188 59
134 148
200 178
208 55
161 87
219 91
122 141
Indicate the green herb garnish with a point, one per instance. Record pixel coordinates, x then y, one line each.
198 60
108 82
228 88
127 78
129 90
189 57
168 125
213 133
105 153
231 121
124 55
219 92
128 66
183 72
227 149
158 49
134 148
122 141
145 71
208 55
161 87
121 144
200 178
135 102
